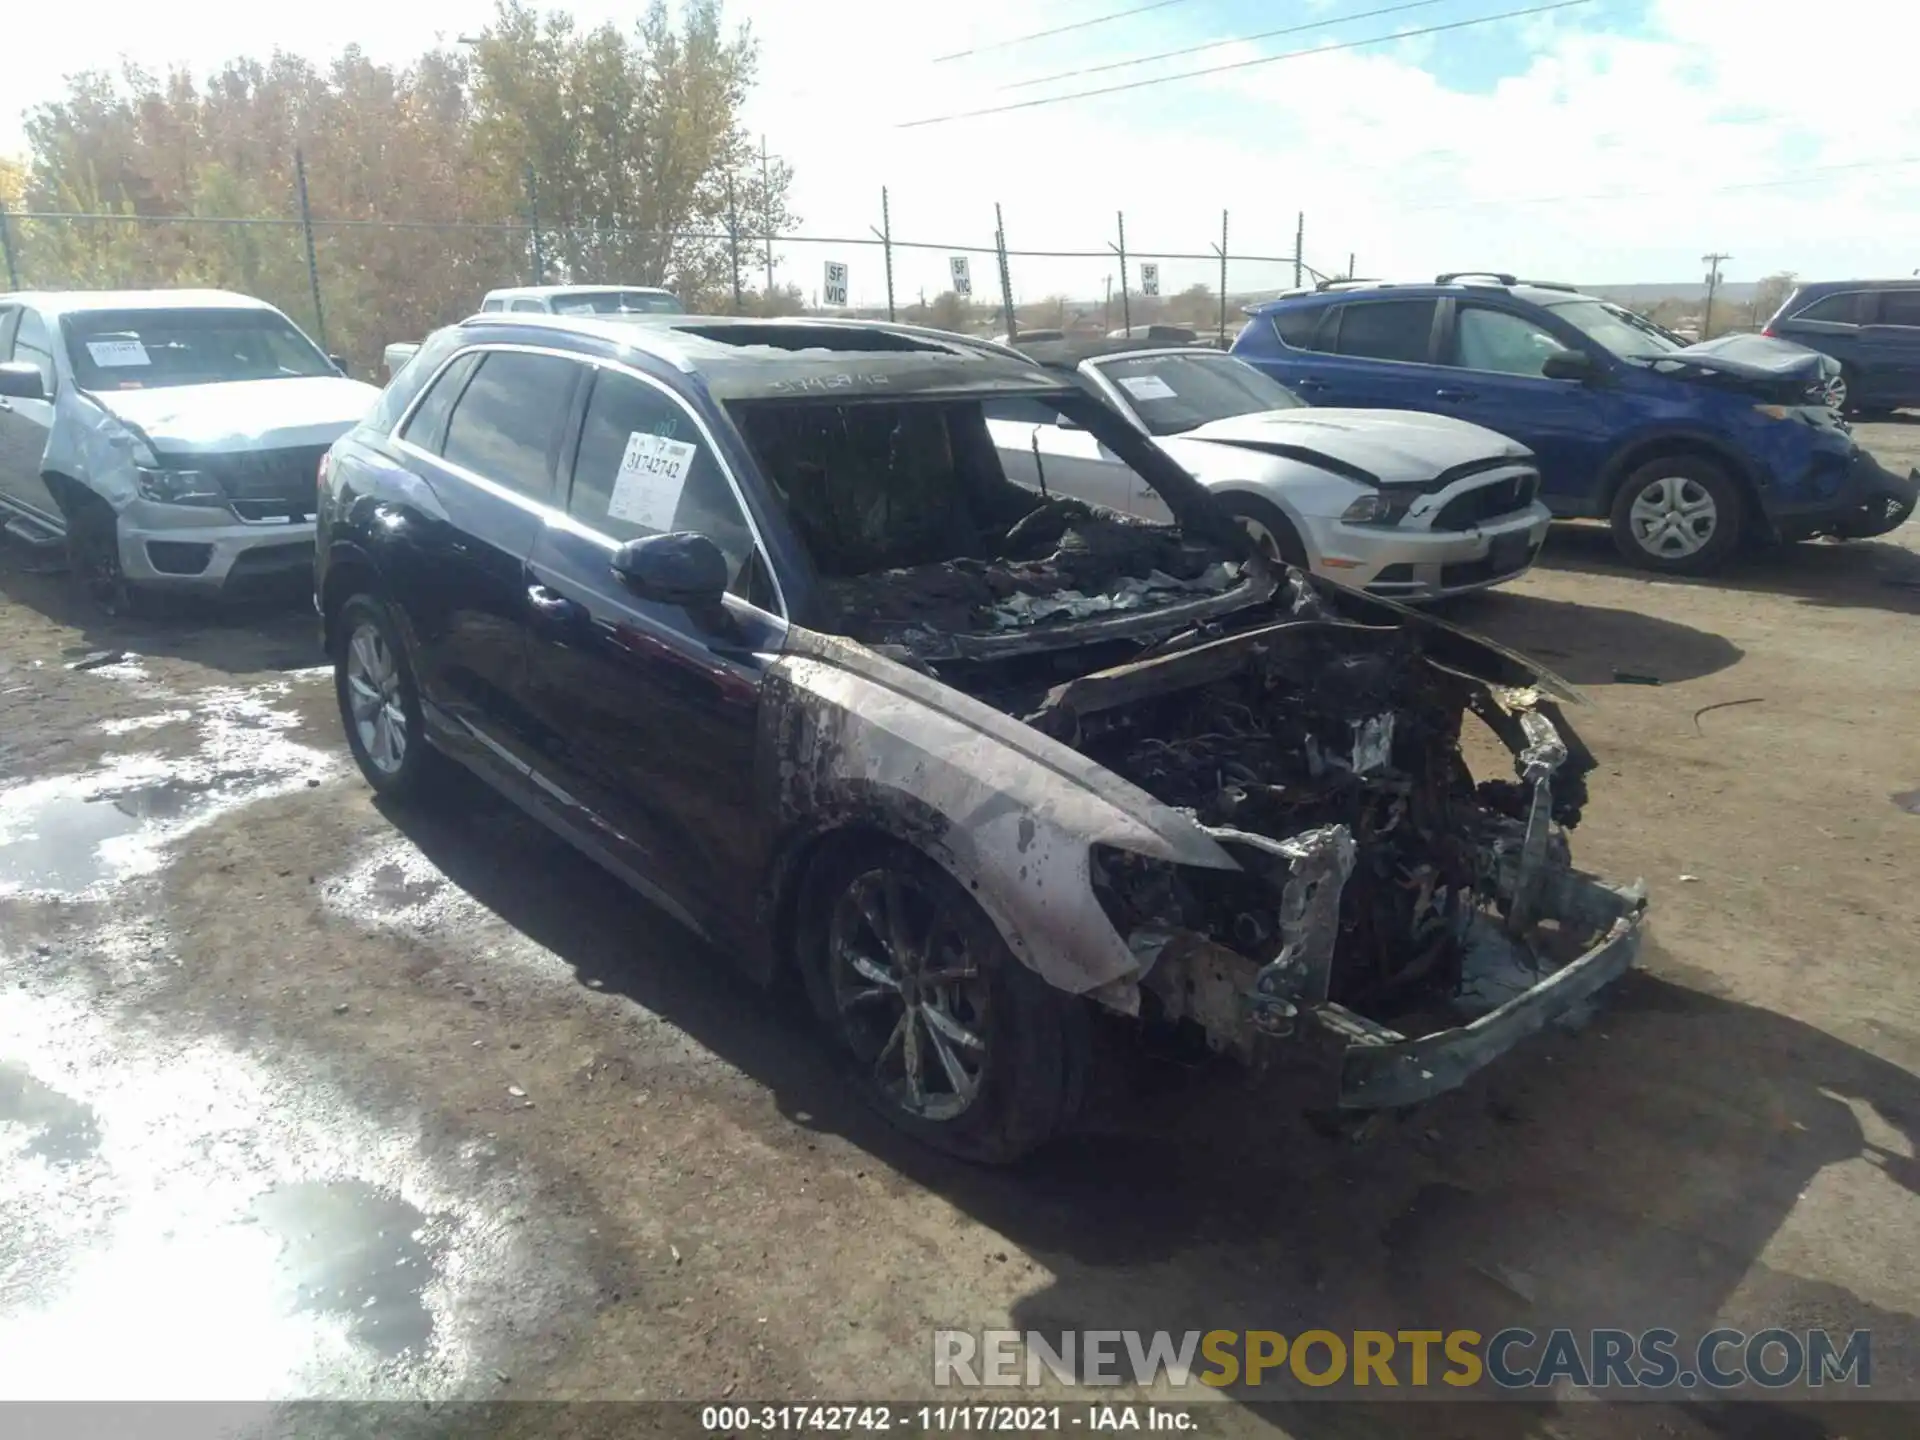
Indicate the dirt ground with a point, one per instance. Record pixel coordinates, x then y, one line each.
302 1097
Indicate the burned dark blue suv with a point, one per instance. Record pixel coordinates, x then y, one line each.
1686 449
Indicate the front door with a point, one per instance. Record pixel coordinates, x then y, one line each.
1495 358
648 714
25 424
486 439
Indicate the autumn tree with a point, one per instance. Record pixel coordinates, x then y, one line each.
1770 294
424 179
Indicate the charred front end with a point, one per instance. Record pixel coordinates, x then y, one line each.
1392 919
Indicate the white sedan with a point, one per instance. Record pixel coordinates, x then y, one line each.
1404 505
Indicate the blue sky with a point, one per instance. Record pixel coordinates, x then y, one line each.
1612 141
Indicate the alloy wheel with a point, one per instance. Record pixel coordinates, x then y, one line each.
373 693
1674 517
911 996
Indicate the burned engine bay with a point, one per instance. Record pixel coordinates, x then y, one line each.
1315 736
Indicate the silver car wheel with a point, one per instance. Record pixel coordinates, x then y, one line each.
913 998
1263 537
373 690
1674 517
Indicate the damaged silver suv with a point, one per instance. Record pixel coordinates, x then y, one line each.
750 612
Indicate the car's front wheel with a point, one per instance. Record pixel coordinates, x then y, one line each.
379 699
949 1036
1681 515
93 556
1268 527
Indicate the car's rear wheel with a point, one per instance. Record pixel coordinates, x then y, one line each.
1681 515
1271 530
379 700
948 1036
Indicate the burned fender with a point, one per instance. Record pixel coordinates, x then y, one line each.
853 739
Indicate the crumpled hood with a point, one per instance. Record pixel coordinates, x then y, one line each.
1391 447
242 414
1757 357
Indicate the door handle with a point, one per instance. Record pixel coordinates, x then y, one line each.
1309 384
551 606
1447 393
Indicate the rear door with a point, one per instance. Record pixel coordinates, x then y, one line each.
486 437
647 713
25 338
1495 355
1375 354
1889 350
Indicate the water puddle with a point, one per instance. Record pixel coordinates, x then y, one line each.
357 1252
64 1131
68 834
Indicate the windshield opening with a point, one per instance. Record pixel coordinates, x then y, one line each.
154 349
616 302
1620 332
1176 393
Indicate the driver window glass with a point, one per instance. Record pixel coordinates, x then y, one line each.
644 468
33 345
1501 342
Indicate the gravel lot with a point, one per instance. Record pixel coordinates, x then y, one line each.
301 1097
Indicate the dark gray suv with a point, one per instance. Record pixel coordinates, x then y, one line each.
1872 327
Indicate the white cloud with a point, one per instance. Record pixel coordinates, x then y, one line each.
1384 160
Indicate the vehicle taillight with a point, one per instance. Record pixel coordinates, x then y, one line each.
1768 330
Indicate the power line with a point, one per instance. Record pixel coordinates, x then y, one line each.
1240 64
1056 30
1216 44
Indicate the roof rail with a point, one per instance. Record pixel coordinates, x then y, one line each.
1553 285
1345 282
1499 277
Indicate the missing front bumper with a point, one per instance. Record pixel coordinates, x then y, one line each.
1379 1068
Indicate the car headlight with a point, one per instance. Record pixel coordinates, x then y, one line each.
179 487
1372 508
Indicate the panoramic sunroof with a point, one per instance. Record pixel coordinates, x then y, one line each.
809 337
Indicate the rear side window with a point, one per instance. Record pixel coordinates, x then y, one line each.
506 425
1900 307
427 426
1843 309
527 306
492 306
1298 325
644 468
1386 330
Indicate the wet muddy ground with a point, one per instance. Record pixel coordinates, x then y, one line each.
300 1096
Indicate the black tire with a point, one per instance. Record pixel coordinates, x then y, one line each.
1272 531
404 774
1033 1041
1678 515
93 556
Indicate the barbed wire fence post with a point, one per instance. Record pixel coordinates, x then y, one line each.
313 256
533 227
6 245
1222 248
733 242
1299 245
885 232
1126 295
766 217
1006 276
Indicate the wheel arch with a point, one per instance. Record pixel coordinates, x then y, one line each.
350 570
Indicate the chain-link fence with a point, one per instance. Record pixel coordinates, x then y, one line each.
357 285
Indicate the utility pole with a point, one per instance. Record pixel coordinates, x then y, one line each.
1713 263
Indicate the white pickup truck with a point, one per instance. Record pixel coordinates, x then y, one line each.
559 300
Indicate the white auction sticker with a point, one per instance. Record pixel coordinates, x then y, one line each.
1147 387
113 354
653 472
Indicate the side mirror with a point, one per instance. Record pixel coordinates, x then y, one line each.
1569 365
677 569
21 381
340 364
